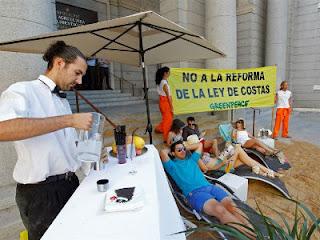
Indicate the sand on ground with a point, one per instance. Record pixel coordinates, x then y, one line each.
302 180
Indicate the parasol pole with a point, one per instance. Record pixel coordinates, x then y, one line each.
145 83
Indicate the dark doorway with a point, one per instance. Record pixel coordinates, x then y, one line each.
97 76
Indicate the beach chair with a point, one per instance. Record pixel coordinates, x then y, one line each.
252 215
271 162
245 171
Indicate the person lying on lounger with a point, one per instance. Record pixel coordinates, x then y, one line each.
176 130
201 195
235 156
192 128
241 136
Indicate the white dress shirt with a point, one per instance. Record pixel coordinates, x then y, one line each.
46 155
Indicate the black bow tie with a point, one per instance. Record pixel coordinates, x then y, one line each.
59 92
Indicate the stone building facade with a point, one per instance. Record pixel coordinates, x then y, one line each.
252 33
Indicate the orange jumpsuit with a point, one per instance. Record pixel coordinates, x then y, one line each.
167 117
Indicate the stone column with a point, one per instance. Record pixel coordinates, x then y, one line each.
276 40
221 30
111 65
19 19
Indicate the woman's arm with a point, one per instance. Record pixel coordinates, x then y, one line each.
169 139
234 135
166 90
250 135
202 134
202 166
290 102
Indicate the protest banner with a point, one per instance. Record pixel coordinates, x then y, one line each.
201 90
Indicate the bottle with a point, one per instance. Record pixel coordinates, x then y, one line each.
228 167
121 153
120 138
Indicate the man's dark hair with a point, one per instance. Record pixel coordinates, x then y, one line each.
61 49
173 145
190 119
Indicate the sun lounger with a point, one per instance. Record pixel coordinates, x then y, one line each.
245 171
271 162
252 215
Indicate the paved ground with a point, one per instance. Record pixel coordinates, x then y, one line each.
304 126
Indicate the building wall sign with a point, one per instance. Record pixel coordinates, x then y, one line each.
69 16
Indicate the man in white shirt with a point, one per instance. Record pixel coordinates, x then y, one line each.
37 117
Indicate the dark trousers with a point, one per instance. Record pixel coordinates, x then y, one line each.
39 204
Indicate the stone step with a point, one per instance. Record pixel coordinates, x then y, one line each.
71 96
90 92
105 105
107 100
103 98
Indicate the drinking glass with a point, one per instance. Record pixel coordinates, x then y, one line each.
131 152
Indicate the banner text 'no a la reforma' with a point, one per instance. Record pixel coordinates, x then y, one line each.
201 90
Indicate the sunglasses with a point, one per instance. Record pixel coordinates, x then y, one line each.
181 149
192 124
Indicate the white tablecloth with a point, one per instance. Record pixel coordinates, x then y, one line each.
83 217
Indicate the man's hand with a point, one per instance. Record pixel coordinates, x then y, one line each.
82 121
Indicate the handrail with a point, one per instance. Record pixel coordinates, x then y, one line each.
125 80
93 106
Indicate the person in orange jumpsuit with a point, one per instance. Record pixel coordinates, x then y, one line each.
284 108
165 102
